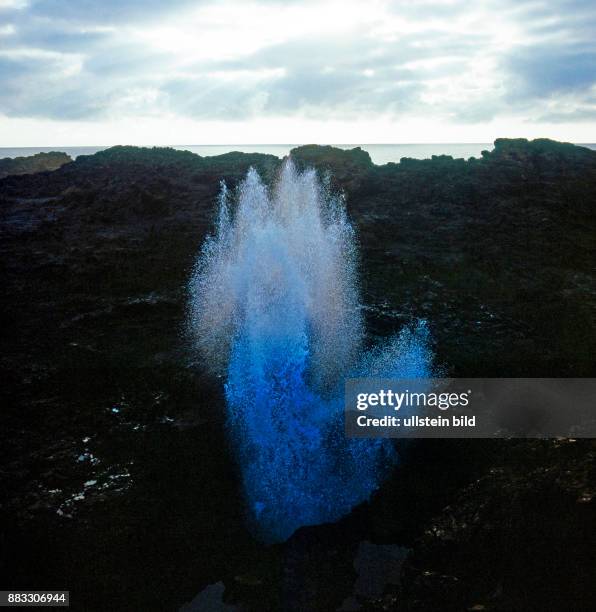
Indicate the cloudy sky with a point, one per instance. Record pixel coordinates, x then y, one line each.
101 72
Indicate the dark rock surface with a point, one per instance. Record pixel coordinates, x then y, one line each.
347 167
114 471
515 539
39 162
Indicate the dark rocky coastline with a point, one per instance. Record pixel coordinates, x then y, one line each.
40 162
115 477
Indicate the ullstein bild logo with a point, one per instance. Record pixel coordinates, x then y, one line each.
471 408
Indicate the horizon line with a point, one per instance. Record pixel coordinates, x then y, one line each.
289 144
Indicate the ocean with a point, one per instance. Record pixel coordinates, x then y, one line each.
380 153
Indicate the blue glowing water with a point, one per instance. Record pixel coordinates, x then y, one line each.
275 308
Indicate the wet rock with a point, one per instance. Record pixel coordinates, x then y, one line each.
379 567
209 600
516 539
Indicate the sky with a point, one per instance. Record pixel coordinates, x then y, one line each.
104 72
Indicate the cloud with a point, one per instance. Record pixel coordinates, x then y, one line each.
546 70
99 11
231 60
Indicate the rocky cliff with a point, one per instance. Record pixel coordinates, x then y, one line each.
39 162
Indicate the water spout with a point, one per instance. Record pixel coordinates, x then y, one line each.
275 308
